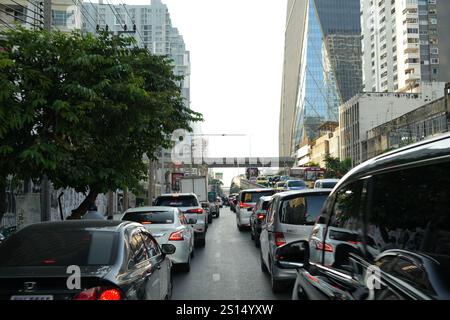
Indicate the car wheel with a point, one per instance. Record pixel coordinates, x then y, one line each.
277 286
201 243
240 228
257 242
186 267
169 289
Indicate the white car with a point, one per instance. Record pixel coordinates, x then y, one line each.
168 225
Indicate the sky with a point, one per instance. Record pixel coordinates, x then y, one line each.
236 49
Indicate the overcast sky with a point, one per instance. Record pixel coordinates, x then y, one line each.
236 49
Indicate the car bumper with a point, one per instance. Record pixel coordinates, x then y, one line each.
182 251
288 275
244 222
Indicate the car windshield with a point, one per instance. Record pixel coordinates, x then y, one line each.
177 201
296 183
302 210
252 197
59 248
151 217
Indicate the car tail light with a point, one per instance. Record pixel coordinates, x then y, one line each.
320 246
99 293
279 239
261 216
244 205
176 236
199 211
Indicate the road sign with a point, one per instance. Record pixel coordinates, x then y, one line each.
218 175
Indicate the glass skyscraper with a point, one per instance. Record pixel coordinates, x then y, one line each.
329 67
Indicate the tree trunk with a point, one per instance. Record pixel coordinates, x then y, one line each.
84 206
2 197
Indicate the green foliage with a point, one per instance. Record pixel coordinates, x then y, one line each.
336 168
84 110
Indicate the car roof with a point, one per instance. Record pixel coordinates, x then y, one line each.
435 148
177 194
303 191
258 190
151 208
98 225
265 198
327 180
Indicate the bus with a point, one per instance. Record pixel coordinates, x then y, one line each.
308 174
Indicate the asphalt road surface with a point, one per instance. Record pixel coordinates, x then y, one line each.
227 268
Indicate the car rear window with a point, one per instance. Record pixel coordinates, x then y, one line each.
253 196
60 248
302 210
328 185
150 217
174 201
297 183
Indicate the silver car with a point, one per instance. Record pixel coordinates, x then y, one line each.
191 208
325 183
247 199
291 217
168 225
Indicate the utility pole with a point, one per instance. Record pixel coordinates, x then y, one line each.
45 183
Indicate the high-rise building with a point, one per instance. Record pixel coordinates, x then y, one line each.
404 43
154 31
322 67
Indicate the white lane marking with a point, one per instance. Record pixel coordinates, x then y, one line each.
216 277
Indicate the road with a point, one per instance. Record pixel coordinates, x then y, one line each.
228 268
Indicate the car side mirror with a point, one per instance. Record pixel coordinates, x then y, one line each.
192 221
168 248
293 255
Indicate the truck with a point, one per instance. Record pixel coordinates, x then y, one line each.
197 185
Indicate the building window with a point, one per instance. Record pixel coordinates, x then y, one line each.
434 60
434 50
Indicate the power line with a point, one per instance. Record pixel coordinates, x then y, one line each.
118 18
6 24
75 2
21 13
17 18
134 24
26 8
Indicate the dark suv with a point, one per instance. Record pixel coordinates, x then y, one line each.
384 232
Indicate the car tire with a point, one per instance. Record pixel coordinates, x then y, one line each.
169 289
201 243
277 285
186 267
257 242
240 228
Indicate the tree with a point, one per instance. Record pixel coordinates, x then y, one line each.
84 110
336 168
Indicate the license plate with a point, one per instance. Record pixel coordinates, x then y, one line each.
33 297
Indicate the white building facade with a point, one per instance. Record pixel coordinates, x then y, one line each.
401 44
